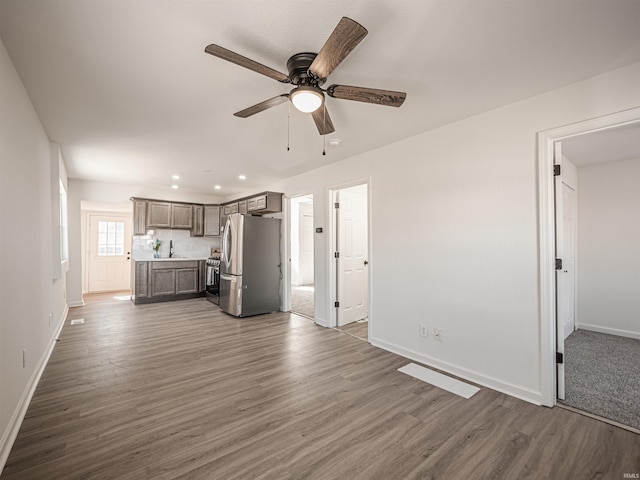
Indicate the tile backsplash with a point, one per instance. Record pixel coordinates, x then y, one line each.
183 244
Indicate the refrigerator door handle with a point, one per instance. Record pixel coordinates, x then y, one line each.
230 278
226 243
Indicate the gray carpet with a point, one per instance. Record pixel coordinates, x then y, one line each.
302 300
602 375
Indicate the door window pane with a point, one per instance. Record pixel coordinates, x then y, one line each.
110 239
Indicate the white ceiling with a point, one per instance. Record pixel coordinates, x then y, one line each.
125 88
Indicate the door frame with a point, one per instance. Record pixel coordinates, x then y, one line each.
332 233
547 233
286 297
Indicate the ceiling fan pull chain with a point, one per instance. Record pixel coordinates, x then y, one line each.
324 137
288 125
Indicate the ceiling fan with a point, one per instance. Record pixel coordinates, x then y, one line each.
309 71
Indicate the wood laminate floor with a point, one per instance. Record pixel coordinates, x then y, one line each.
182 391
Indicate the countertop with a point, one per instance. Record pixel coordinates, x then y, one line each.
167 259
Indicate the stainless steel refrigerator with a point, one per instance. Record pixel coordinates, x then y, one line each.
250 266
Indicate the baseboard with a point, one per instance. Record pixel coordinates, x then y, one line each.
11 432
513 390
321 322
77 304
610 331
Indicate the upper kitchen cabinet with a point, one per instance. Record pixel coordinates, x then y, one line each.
181 216
212 220
159 215
198 221
267 202
169 215
242 206
139 217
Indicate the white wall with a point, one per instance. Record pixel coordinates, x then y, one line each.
28 292
82 192
609 248
454 233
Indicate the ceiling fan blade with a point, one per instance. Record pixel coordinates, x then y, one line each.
344 38
245 62
262 106
323 120
367 95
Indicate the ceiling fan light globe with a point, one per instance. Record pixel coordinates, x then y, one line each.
307 99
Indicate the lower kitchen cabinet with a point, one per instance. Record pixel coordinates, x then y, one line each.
161 281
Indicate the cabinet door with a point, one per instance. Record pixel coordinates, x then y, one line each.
159 214
242 206
181 216
198 221
231 208
212 220
163 282
139 217
202 274
186 280
141 280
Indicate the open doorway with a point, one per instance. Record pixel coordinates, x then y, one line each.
594 289
302 256
351 253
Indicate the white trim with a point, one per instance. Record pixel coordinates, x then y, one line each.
546 237
610 331
77 304
517 391
15 422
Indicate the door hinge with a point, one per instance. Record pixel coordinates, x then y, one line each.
336 255
336 205
336 304
556 170
558 264
559 357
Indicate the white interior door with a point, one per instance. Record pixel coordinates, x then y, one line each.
109 253
560 284
353 290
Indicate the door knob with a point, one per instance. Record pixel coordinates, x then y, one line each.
366 263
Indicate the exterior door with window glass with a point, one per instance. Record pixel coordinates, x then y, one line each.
109 253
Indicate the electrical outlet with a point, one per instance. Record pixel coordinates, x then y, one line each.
424 330
24 358
437 334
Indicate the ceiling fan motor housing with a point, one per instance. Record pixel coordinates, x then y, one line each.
298 67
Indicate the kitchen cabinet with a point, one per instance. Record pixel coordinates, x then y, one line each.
242 206
198 221
141 280
202 271
212 220
169 215
139 217
159 215
267 202
181 216
231 208
161 281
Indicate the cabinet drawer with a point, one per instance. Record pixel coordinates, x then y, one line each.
173 264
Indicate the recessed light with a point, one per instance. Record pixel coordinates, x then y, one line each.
242 177
176 177
335 142
174 186
217 187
